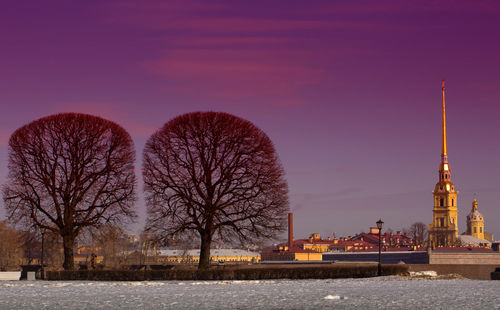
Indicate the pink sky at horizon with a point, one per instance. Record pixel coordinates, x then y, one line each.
349 93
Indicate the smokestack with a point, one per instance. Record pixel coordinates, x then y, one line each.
290 230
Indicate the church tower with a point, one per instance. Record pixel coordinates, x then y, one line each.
444 228
475 222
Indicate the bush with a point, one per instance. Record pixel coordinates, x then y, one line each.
255 272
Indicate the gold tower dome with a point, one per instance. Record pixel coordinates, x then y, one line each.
475 215
444 186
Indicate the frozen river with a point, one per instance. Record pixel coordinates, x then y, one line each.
372 293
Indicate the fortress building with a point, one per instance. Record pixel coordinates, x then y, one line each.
475 222
444 228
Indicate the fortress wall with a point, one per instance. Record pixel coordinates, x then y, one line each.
464 258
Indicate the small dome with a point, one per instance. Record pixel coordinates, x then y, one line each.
474 215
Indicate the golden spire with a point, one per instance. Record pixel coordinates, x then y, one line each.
444 153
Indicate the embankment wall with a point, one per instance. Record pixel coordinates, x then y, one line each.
464 258
470 271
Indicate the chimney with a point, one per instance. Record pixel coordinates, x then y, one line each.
290 230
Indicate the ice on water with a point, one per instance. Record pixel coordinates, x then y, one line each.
372 293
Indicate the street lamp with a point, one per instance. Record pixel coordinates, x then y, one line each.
42 271
380 224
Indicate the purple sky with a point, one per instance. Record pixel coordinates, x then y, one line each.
349 93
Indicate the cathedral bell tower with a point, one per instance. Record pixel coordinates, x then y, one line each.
444 228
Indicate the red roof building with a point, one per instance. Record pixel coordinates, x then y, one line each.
389 240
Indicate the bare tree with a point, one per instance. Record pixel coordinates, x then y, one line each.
148 248
68 172
31 245
418 232
440 237
112 242
208 173
11 247
53 249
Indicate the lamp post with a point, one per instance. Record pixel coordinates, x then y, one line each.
380 224
41 260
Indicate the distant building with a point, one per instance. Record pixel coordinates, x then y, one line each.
389 240
443 231
475 236
475 222
360 242
85 255
351 245
296 250
284 253
312 248
216 256
314 242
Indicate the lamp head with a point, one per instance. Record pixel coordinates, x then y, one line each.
380 224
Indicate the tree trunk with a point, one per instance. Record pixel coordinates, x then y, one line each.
206 240
68 243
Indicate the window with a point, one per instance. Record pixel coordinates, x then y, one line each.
480 229
452 201
475 229
441 202
441 221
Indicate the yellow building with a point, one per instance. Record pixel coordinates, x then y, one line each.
475 222
294 254
83 255
216 255
315 243
444 228
307 256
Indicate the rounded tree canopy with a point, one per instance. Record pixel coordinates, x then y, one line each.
69 171
208 172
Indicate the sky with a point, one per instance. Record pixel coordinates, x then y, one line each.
348 91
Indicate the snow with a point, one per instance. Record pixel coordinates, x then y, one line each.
10 275
336 297
471 240
373 293
430 273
